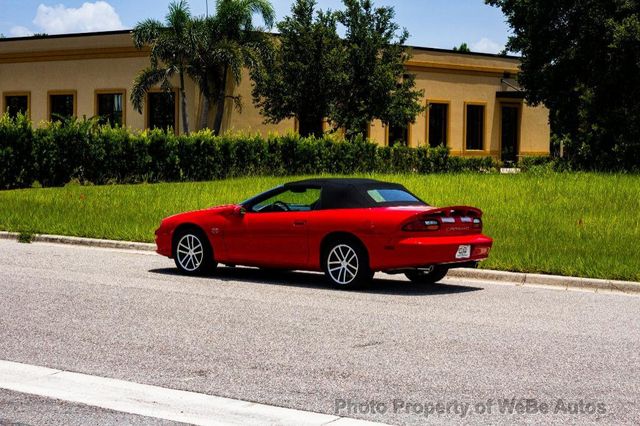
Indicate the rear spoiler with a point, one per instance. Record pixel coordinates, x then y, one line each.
456 211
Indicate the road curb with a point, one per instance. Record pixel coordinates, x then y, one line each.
78 241
517 278
525 279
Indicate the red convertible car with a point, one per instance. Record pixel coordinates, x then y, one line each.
348 228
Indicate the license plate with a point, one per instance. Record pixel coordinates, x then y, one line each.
464 252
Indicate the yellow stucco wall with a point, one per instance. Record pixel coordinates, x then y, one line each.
461 79
250 120
86 64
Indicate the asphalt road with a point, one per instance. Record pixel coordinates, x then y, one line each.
287 340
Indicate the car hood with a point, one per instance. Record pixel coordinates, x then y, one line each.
181 217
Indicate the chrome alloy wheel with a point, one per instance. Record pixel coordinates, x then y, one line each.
190 252
343 264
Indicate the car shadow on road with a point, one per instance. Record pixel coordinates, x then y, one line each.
317 281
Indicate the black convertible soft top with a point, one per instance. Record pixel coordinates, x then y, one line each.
346 193
339 193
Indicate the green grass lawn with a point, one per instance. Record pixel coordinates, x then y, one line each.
571 224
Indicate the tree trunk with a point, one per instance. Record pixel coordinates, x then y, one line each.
183 100
204 117
222 97
351 132
310 127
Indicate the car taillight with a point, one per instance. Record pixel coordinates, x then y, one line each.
477 223
422 225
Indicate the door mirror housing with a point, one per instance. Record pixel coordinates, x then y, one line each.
239 211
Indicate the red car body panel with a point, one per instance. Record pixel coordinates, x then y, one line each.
293 240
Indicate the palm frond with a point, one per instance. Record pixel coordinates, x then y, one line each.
179 16
263 8
146 32
145 81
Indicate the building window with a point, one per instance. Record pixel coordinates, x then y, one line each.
62 106
475 127
110 108
15 104
161 110
438 124
398 135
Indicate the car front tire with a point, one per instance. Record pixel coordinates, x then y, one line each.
192 253
346 265
436 274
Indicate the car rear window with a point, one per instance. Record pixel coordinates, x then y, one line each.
391 196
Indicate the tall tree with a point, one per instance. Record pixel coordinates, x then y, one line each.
374 83
232 43
581 58
300 77
170 55
464 47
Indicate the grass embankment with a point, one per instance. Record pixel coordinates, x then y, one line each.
571 224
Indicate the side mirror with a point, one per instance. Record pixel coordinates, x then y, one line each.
239 211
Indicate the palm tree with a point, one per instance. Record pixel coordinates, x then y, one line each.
224 44
171 53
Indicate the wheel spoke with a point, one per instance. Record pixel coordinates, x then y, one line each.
342 254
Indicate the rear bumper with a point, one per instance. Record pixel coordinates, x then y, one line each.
426 251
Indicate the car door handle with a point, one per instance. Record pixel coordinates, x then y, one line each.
299 223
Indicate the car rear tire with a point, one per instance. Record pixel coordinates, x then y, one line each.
192 252
346 264
436 274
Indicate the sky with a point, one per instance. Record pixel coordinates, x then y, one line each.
431 23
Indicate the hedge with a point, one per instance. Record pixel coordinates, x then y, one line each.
85 151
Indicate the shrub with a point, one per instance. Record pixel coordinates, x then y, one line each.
85 151
16 147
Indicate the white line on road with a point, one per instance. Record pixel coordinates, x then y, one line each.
154 401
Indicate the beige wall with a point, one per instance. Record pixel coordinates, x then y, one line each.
458 80
249 120
82 65
535 133
42 77
86 64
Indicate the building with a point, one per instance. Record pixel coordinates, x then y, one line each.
475 106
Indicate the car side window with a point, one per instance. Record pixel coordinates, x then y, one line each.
292 200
